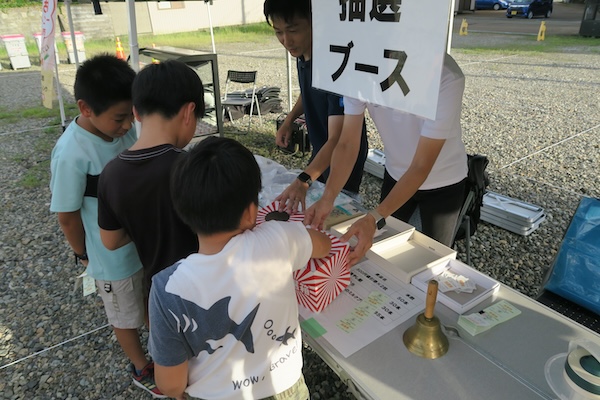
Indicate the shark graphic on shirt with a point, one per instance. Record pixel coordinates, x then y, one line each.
202 325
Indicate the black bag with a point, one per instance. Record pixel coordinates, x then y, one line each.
299 143
477 182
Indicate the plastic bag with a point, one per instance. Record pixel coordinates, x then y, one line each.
575 274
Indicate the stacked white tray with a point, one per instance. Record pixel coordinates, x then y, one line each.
375 163
400 249
513 215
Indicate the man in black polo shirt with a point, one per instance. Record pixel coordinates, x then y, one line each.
323 111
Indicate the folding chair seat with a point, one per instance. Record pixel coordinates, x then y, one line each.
241 99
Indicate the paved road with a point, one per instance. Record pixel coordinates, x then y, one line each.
565 20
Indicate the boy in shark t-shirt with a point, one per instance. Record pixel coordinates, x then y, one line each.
224 322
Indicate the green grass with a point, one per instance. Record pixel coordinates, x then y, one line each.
36 176
530 44
196 40
262 32
38 112
37 162
19 3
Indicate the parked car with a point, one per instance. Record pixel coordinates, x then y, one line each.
529 8
491 4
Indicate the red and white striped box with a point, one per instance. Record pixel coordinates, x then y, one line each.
271 211
323 279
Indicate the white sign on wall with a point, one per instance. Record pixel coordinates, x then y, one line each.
386 52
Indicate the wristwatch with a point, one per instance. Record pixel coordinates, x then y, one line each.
379 220
82 257
305 178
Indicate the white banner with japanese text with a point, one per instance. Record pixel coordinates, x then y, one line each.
386 52
47 55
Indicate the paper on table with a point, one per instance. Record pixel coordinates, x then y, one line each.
488 318
373 304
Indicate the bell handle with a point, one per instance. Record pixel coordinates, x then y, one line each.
432 290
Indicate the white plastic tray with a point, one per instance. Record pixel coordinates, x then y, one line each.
509 209
408 253
512 226
375 163
458 302
393 227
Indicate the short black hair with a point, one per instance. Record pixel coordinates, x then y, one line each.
286 9
166 87
213 184
103 81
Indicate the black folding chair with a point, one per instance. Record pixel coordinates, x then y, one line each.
477 182
241 100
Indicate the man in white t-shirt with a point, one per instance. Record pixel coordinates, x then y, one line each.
426 165
225 320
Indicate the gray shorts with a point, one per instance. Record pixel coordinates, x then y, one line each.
124 301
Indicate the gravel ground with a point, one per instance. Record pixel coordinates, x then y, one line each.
536 116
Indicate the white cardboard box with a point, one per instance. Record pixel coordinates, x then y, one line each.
400 248
393 227
459 302
409 253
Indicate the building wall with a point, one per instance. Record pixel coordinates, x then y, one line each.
185 16
169 17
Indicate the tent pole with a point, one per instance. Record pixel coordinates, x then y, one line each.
134 47
73 41
450 26
212 35
288 60
61 105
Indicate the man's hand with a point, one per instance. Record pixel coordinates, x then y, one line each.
283 135
364 230
315 215
293 196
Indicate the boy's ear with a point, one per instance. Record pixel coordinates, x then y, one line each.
249 217
135 114
188 112
84 108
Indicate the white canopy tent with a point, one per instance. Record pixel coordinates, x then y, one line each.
132 30
134 45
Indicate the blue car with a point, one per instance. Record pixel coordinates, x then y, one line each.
491 4
529 8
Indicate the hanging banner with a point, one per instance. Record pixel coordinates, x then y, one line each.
385 52
47 54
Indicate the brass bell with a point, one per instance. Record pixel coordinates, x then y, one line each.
425 338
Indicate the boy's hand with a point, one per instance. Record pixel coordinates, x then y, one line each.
316 214
364 230
321 244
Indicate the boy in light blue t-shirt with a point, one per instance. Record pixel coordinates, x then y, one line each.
103 129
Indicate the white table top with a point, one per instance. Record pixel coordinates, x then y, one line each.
506 362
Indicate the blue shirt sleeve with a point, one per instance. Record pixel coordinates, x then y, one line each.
335 104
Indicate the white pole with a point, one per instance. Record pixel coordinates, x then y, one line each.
134 47
212 35
288 60
73 41
450 26
61 105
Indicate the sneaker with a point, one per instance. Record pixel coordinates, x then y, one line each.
145 380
